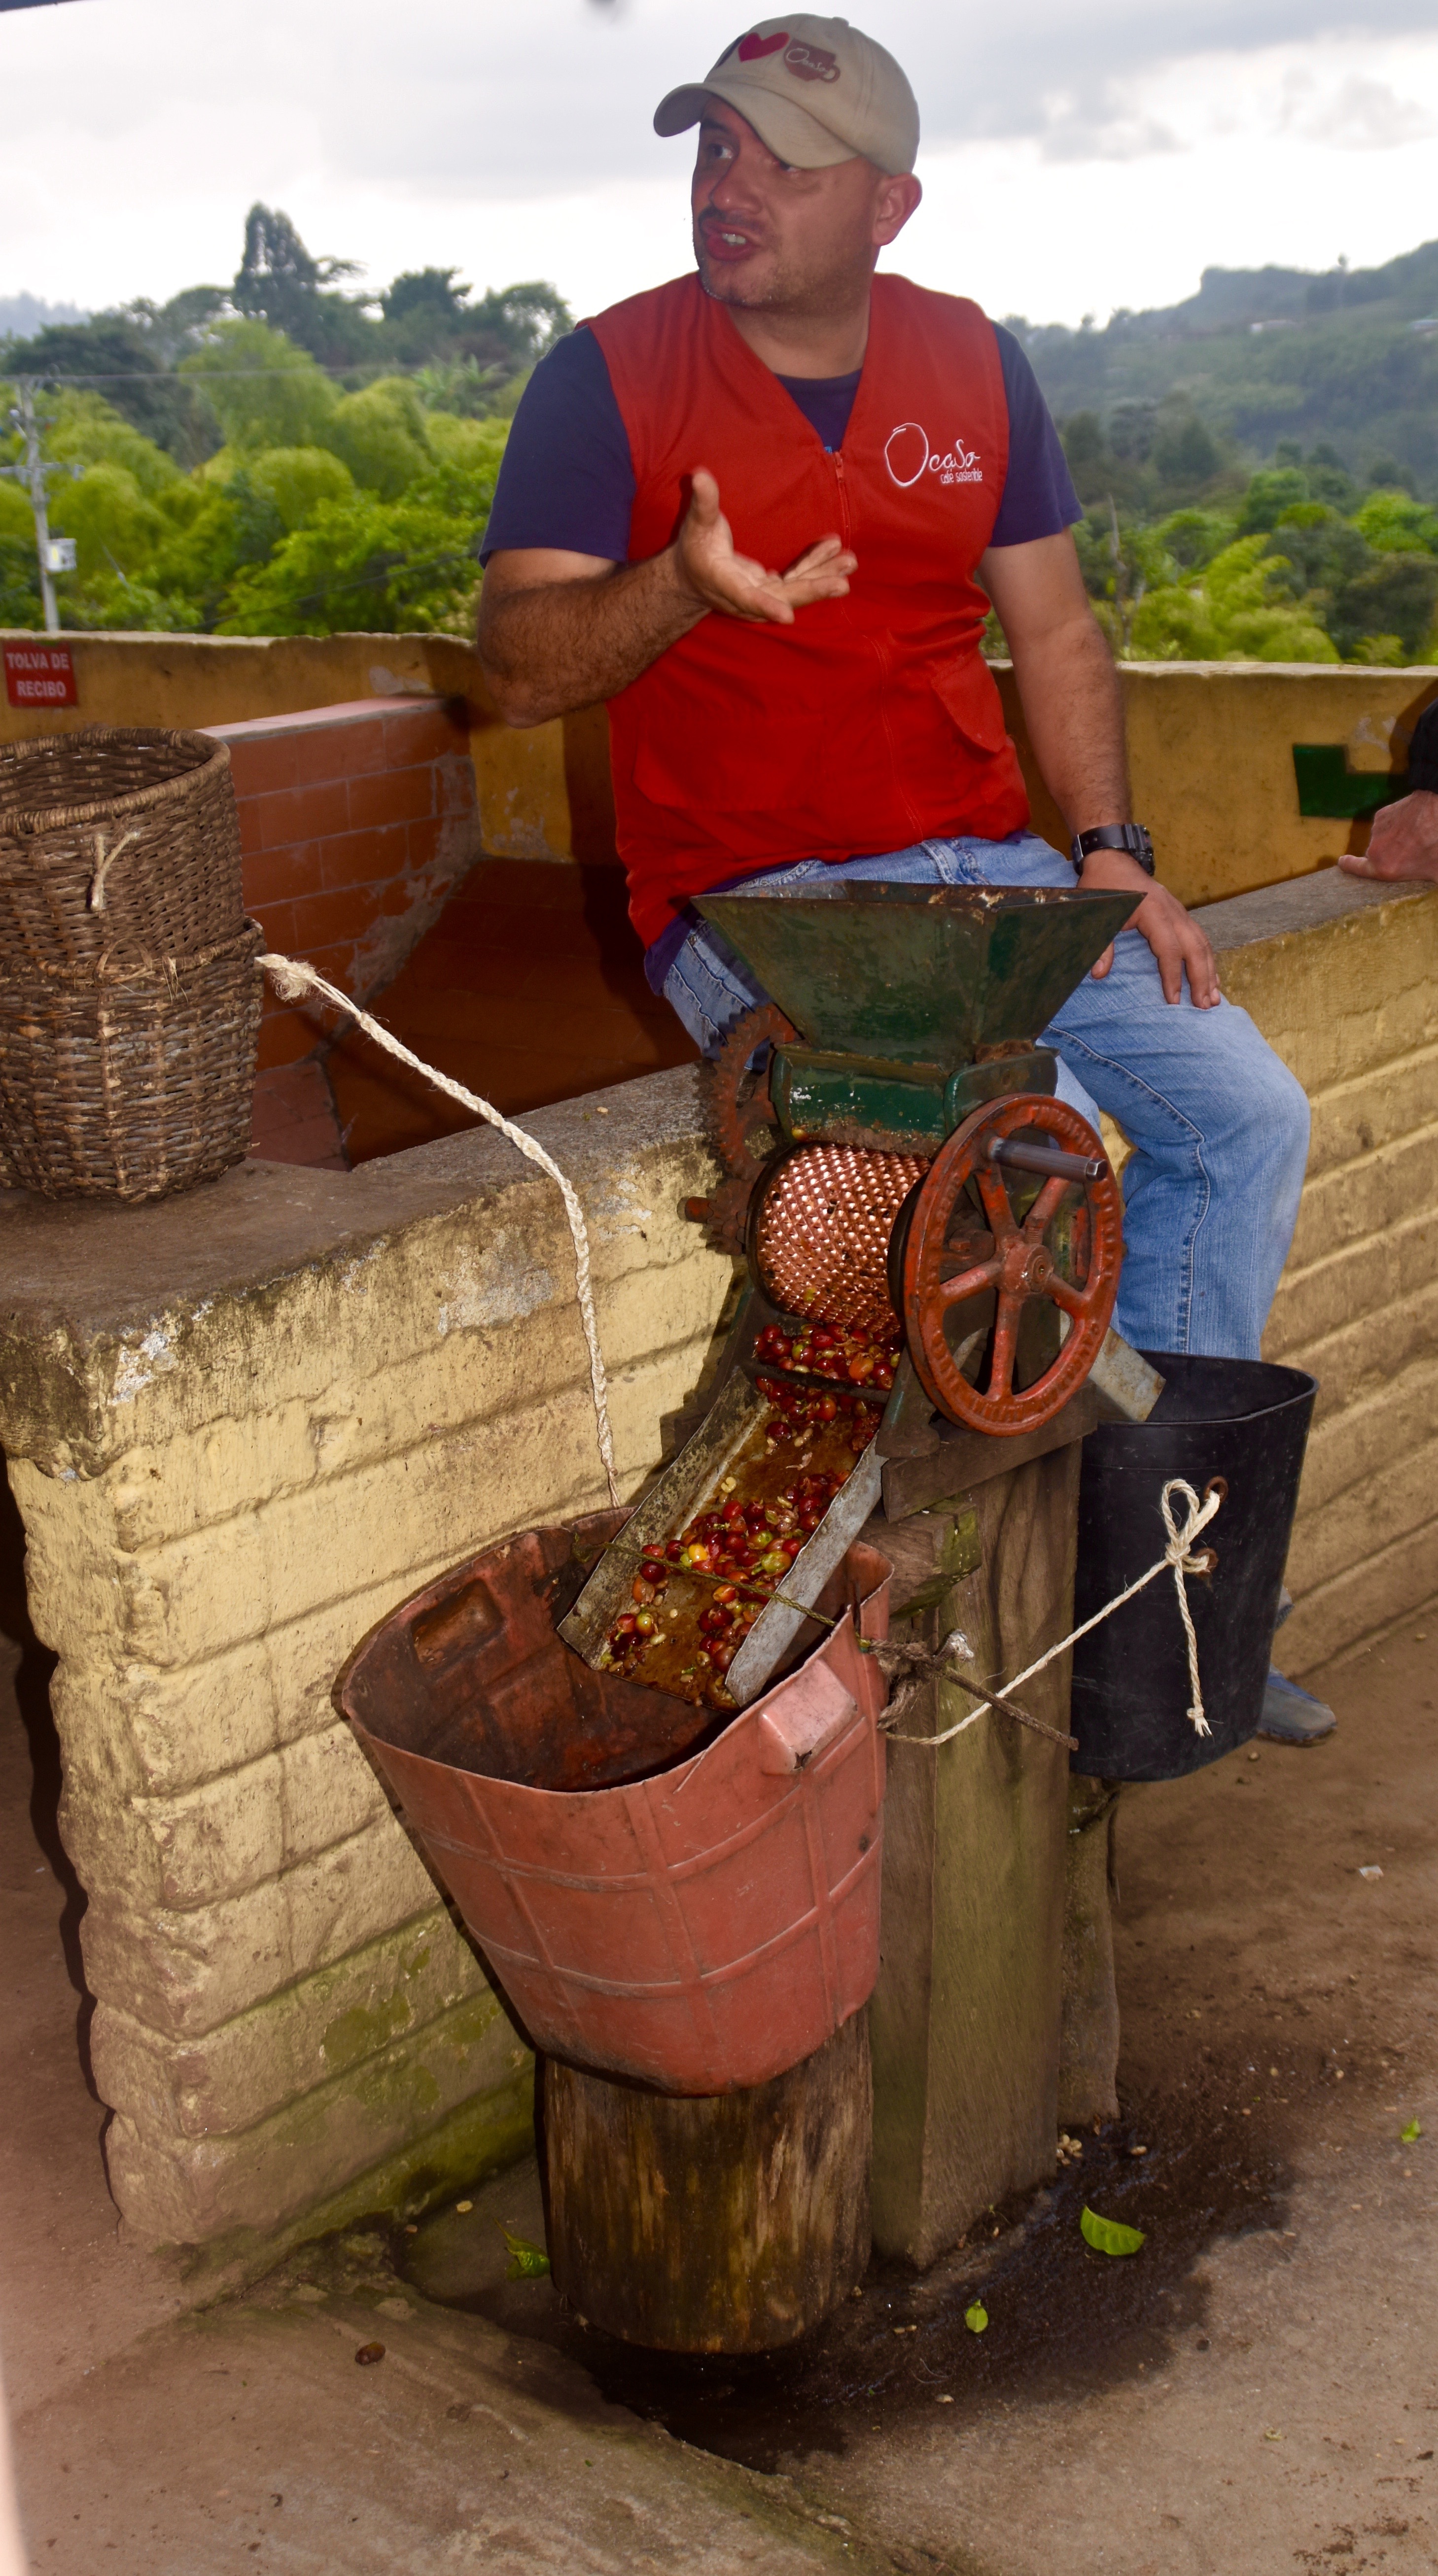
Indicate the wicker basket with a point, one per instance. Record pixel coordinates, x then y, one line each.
117 842
129 1080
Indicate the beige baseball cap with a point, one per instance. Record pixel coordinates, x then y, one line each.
815 90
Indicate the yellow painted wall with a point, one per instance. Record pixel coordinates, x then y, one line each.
1211 743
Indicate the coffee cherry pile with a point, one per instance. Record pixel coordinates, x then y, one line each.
734 1554
833 1350
802 1415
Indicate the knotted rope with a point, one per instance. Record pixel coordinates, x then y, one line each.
921 1661
292 982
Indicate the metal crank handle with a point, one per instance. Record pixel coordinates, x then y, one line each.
1047 1159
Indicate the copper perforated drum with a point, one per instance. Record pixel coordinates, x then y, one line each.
821 1232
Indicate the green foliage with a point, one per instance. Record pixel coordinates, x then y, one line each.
1393 523
297 480
371 565
254 461
1231 613
20 603
1270 497
380 434
263 390
116 529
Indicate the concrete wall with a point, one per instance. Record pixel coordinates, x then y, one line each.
1211 743
241 1427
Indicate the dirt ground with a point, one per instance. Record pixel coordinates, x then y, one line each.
1255 2391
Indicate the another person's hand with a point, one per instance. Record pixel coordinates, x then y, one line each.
1171 931
706 564
1402 843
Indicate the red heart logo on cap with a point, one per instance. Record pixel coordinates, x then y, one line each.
751 48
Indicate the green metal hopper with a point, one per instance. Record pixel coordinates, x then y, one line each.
914 1004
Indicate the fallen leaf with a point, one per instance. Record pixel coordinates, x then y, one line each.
1407 2137
976 2318
526 2262
1108 2235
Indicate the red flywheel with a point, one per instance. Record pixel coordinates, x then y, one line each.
972 1264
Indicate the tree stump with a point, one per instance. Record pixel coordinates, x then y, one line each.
728 2222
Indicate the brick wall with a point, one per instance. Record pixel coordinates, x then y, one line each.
356 822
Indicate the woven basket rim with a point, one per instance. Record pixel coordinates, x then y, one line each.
110 969
29 822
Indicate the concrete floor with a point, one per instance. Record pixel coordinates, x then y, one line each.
1256 2391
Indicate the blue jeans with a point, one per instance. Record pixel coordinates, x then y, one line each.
1218 1125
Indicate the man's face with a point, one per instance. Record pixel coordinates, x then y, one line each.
771 238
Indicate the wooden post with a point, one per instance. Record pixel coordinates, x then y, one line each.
966 2017
732 2222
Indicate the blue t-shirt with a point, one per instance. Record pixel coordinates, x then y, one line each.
567 479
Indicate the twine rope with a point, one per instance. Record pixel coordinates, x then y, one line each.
1178 1556
293 981
104 861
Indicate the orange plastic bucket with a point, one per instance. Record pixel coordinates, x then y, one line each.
657 1893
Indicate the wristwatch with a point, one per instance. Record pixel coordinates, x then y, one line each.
1113 836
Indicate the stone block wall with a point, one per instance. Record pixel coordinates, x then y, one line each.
240 1428
1342 978
357 822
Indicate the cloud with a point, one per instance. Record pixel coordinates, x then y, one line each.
514 98
1363 116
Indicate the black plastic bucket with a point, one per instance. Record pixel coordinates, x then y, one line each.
1243 1421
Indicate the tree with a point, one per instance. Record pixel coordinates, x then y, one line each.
371 565
279 282
1231 613
114 358
264 391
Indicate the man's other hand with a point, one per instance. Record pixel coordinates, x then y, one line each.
706 565
1402 843
1172 933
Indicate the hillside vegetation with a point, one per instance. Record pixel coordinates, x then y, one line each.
288 455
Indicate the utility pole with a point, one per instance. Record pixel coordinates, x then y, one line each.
56 554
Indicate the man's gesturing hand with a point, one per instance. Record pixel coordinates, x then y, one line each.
1173 934
707 566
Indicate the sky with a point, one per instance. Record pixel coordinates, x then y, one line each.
1078 154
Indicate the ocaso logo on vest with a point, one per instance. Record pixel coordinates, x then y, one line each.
908 455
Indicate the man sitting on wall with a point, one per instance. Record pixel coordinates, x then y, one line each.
891 448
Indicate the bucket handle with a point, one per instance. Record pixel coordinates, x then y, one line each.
803 1717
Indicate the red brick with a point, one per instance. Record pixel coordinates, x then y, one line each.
277 876
262 765
398 796
325 920
423 729
278 923
295 1120
364 858
288 1035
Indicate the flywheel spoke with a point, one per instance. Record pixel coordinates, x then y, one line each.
1006 1334
1045 1207
996 1203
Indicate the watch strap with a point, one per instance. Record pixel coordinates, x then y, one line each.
1129 837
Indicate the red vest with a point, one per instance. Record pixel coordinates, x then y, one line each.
873 721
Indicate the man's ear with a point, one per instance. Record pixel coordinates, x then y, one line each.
897 198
